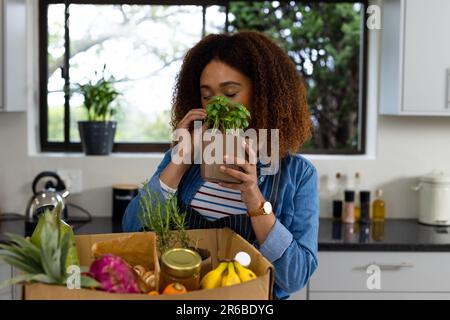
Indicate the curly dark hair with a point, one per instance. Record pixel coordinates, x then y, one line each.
279 93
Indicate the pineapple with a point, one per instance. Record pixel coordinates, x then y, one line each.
45 260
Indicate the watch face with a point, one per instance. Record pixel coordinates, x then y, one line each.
267 207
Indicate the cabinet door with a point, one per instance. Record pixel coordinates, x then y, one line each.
426 57
2 103
13 56
379 296
5 274
397 272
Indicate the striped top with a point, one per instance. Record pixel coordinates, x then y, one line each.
214 201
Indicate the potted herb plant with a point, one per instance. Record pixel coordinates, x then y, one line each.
229 118
169 224
97 133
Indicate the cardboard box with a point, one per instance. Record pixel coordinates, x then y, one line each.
222 243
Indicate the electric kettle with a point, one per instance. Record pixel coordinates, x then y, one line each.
53 194
434 198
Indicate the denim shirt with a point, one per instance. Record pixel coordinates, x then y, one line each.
291 245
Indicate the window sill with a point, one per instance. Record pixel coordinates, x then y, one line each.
79 155
338 157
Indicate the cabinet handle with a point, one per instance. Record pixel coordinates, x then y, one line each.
387 266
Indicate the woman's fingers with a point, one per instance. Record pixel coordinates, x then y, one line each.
239 162
192 115
234 173
235 186
250 151
194 111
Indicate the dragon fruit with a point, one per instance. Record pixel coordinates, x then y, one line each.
113 273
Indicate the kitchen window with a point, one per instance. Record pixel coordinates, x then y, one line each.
142 44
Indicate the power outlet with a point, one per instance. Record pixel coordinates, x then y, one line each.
72 179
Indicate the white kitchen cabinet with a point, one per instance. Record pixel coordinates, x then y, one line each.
9 292
378 296
415 58
6 293
300 295
13 60
403 275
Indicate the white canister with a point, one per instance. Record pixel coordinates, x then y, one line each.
434 198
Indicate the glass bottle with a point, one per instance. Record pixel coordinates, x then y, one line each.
357 202
337 198
364 202
349 207
378 231
378 207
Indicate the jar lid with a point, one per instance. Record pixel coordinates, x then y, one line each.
181 262
436 177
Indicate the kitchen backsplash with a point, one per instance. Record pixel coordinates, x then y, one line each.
407 148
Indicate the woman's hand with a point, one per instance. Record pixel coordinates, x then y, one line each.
190 117
175 170
186 123
250 193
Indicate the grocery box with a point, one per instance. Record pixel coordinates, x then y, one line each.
221 243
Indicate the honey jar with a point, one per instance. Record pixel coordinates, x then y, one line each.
180 265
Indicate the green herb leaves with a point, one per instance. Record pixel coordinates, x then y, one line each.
225 115
98 97
165 219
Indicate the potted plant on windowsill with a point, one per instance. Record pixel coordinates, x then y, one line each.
230 118
97 133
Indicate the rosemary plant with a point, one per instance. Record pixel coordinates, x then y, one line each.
165 219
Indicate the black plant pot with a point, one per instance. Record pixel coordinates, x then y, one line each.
97 137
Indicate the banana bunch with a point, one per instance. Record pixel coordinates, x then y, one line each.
227 274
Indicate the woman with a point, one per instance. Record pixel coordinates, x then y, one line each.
277 213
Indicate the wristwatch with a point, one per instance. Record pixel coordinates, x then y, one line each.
264 210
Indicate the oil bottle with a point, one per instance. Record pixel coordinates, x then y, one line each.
378 207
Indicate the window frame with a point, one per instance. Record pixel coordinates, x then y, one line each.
68 146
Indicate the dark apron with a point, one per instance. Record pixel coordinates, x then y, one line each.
241 223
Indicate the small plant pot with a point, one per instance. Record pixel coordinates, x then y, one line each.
97 137
211 171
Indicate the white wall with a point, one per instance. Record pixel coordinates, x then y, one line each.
406 147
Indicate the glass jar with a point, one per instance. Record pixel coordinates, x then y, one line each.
180 265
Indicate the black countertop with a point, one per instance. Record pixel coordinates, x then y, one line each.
392 235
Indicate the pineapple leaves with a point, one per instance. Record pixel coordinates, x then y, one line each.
44 257
26 278
50 250
88 282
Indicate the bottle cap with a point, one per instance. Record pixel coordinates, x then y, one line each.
364 196
243 258
379 193
349 195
